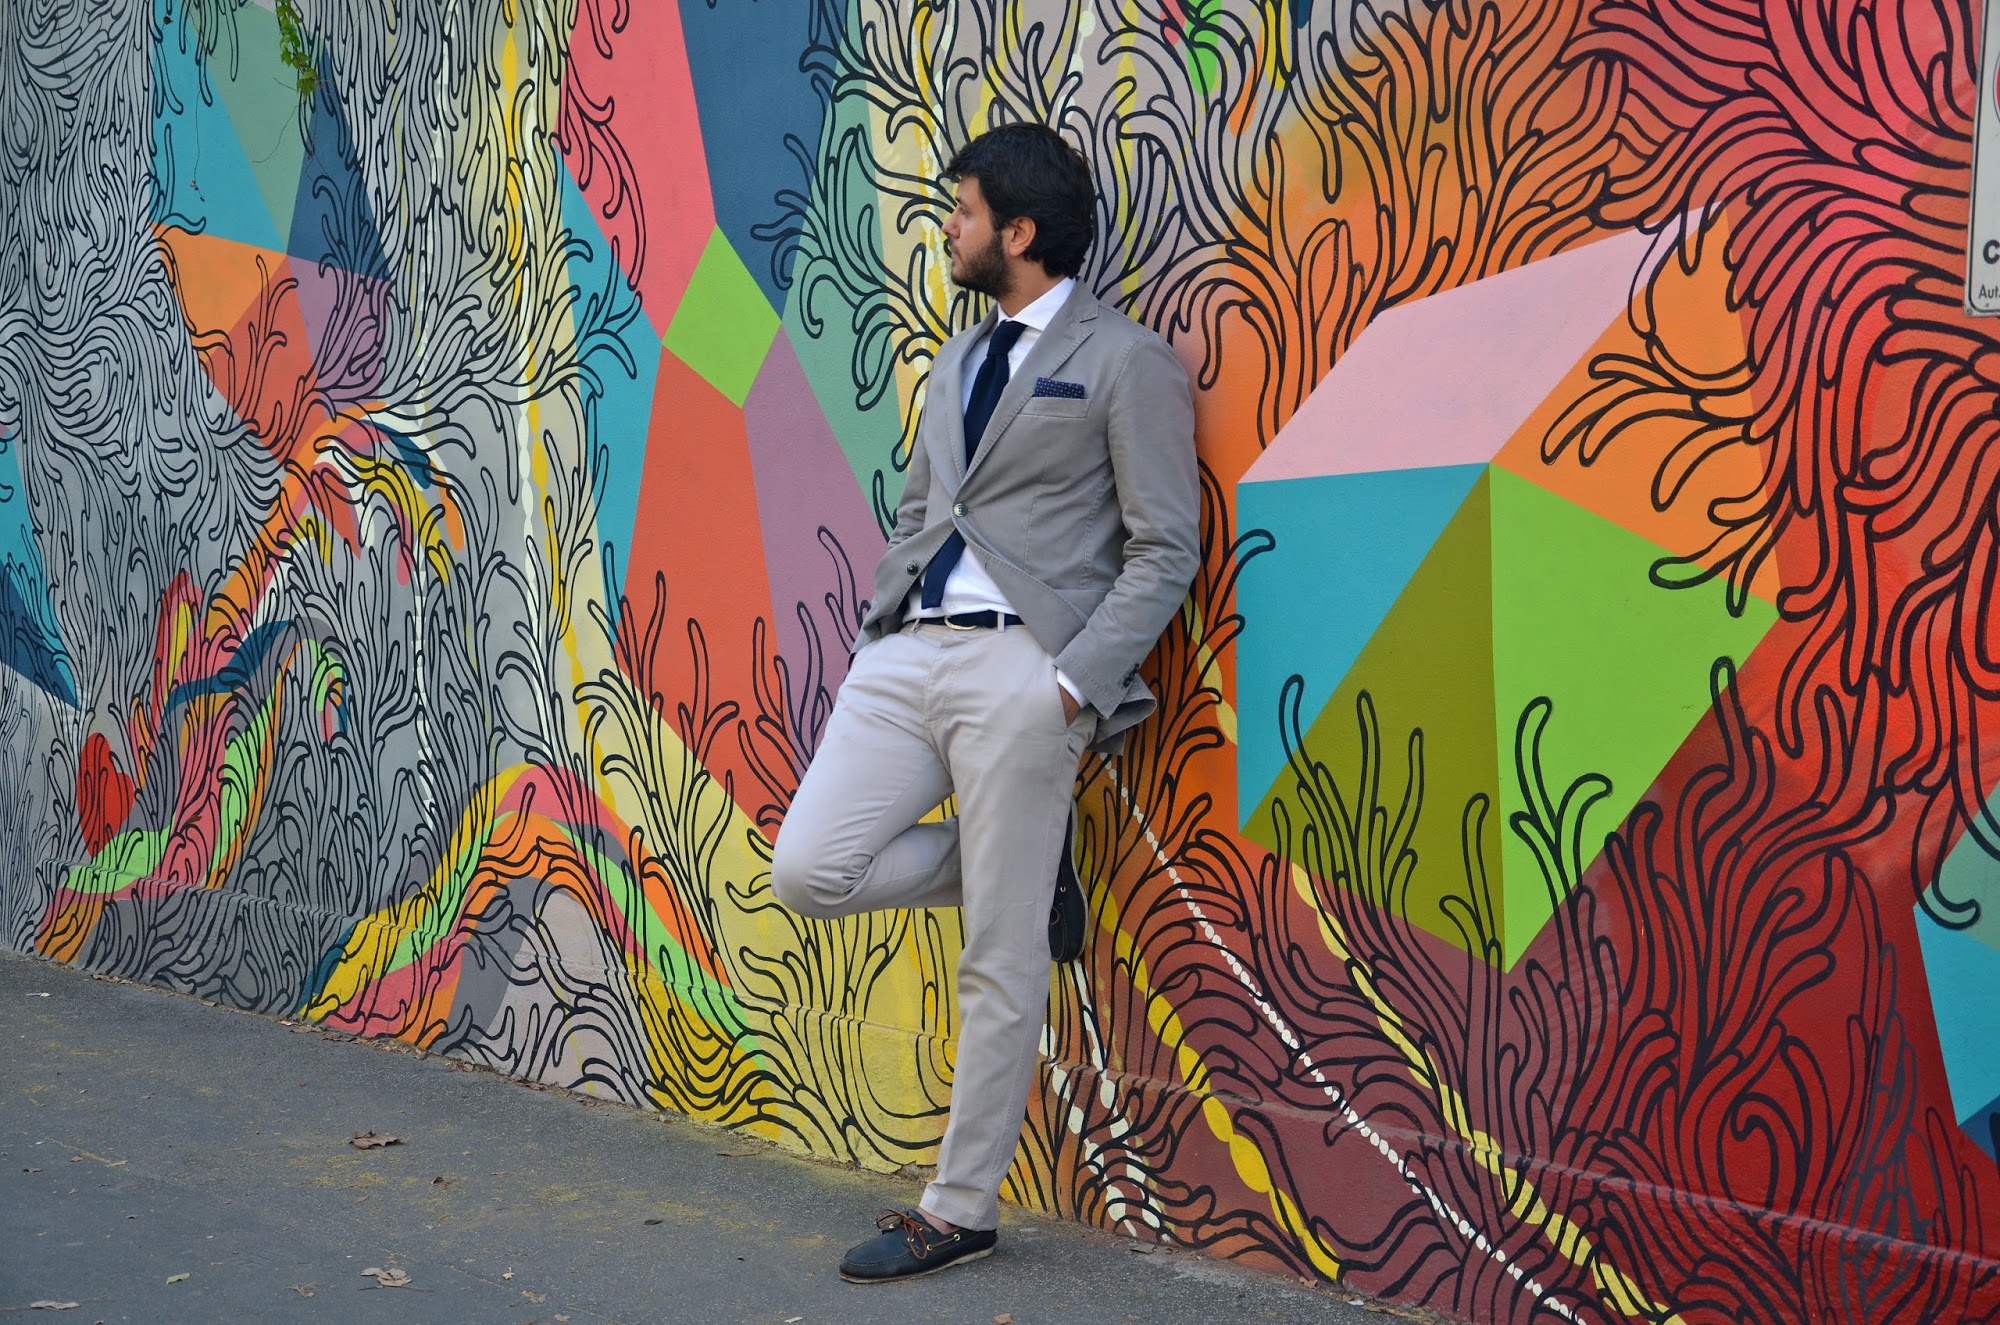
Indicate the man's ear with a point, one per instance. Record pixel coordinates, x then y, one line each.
1020 235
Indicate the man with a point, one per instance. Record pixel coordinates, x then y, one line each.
1047 533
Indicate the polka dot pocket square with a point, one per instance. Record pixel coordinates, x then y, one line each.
1048 386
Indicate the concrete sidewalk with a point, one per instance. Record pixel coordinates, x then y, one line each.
163 1160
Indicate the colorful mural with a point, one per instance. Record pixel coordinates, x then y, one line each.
442 449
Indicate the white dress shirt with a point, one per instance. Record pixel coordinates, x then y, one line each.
969 588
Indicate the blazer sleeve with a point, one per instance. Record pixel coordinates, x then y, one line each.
1150 432
910 507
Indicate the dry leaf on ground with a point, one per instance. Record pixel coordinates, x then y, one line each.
304 1290
175 1278
390 1278
1004 1318
370 1141
508 1275
51 1305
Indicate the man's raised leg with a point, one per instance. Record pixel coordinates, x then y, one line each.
851 841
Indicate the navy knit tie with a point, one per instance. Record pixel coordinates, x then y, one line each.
986 389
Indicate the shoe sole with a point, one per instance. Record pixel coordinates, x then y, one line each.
918 1274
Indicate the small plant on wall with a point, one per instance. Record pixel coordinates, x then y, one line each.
296 50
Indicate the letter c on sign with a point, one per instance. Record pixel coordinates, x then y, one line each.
1990 251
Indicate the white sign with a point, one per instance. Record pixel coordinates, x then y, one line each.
1982 256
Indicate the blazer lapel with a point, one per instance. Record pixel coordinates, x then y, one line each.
946 394
1069 329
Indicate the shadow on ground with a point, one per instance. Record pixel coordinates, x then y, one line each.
163 1160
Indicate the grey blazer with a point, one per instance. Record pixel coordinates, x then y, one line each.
1085 510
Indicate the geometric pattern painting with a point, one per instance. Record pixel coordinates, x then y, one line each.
443 450
1425 555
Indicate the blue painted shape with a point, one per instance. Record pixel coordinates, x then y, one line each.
412 459
25 637
202 180
333 223
30 641
760 117
1963 973
1346 545
236 673
619 352
1982 1127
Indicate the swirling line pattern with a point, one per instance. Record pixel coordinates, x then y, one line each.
436 501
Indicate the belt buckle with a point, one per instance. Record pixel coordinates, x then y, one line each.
953 625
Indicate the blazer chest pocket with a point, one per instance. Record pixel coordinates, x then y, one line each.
1059 407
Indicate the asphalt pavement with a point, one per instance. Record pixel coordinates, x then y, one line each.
165 1160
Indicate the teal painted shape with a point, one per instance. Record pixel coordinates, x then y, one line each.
30 641
866 422
620 354
1967 891
1963 973
1346 544
261 94
202 180
854 375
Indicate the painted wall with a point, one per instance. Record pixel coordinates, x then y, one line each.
436 492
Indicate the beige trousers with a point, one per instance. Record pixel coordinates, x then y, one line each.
924 713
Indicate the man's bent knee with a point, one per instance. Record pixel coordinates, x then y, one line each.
799 877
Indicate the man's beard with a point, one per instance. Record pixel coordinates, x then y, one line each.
983 271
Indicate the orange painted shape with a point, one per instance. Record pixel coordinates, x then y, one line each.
1622 482
216 280
263 365
631 138
698 539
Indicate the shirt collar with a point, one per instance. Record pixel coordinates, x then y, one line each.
1038 315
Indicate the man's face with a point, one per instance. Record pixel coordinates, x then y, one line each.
978 250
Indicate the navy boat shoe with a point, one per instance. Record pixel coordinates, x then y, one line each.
910 1245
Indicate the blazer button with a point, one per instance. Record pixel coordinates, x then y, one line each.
958 509
910 569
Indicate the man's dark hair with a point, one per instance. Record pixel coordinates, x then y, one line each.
1027 170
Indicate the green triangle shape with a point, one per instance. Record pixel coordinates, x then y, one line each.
1626 663
261 94
1428 667
724 326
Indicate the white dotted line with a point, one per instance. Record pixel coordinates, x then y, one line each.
1333 1093
1119 1206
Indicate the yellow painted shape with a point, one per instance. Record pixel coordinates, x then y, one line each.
1243 1153
1211 668
1569 1240
392 483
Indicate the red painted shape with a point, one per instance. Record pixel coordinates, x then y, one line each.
697 556
103 793
631 137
